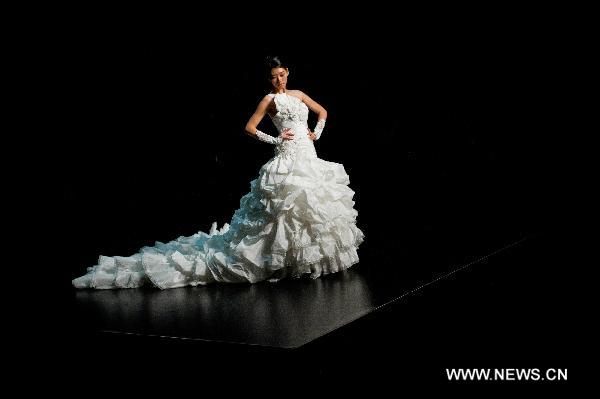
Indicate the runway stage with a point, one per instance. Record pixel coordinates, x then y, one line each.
287 314
463 300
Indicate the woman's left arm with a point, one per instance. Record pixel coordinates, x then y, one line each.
321 115
313 106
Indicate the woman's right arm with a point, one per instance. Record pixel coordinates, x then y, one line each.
251 126
258 115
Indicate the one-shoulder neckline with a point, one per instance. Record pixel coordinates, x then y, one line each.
277 109
289 95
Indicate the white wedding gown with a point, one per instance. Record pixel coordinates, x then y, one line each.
298 219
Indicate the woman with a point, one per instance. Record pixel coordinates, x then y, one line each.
297 220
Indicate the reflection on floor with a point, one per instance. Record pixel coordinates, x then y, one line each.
287 314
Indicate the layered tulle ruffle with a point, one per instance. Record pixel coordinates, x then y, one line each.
298 219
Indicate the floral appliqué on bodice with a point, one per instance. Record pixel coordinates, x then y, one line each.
292 113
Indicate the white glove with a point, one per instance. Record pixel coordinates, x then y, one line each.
319 128
267 138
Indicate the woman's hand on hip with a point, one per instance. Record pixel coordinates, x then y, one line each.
287 134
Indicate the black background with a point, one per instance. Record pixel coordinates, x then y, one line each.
152 143
442 128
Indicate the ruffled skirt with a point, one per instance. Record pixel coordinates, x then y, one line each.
297 220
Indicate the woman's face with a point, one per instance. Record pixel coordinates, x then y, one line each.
279 78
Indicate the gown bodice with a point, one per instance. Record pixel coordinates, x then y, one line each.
292 113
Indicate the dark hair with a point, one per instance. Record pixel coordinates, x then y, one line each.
274 62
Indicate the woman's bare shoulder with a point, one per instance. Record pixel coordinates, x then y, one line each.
296 93
267 99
